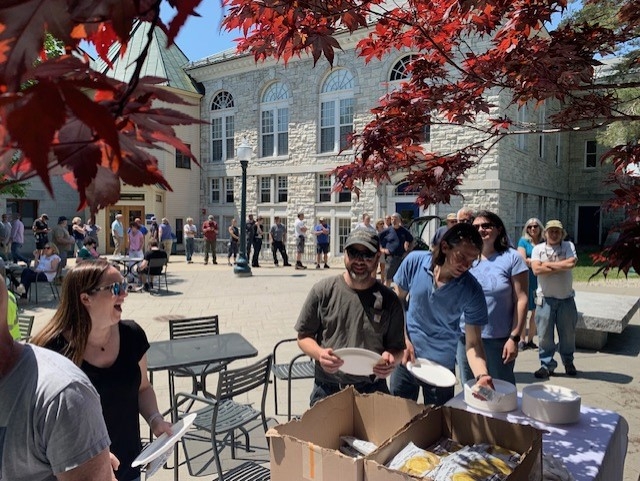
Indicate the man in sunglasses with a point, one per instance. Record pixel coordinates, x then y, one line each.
352 310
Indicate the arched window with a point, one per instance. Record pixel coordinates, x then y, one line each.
336 110
404 189
400 73
274 120
222 127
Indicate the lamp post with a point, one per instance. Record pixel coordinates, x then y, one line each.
242 268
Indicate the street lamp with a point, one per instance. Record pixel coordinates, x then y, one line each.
242 268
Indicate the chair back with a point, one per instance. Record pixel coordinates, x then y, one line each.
194 327
234 382
156 265
25 323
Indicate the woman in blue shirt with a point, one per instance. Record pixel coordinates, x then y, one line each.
504 278
440 290
532 235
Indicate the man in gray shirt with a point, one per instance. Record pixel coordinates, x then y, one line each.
278 238
352 309
51 425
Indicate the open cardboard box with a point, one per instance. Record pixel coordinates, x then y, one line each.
466 428
307 449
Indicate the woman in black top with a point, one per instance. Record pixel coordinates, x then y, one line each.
87 328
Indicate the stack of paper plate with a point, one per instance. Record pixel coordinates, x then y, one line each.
505 400
551 404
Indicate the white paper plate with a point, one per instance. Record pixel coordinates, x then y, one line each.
358 362
164 443
432 372
506 401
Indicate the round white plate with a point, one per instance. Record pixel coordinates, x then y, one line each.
505 401
164 443
358 362
432 373
551 404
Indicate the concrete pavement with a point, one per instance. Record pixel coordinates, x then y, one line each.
263 308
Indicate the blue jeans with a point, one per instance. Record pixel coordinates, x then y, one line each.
406 385
188 247
562 315
493 352
15 254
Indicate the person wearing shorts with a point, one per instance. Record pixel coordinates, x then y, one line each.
300 230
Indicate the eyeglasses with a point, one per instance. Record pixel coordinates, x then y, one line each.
484 225
534 226
47 247
355 254
466 221
116 288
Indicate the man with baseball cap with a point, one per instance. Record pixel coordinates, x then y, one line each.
352 309
552 262
452 220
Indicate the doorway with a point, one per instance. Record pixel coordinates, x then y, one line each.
408 211
129 213
588 231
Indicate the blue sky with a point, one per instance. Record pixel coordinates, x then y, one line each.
201 36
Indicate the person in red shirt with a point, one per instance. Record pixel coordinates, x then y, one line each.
210 232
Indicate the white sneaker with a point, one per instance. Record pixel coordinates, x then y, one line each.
21 289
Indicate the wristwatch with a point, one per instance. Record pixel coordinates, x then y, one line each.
515 338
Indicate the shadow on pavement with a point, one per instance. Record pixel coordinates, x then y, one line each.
627 343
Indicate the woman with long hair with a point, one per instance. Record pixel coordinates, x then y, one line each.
87 328
440 291
532 235
504 279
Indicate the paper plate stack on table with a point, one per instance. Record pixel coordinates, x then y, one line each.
503 399
357 361
431 373
551 404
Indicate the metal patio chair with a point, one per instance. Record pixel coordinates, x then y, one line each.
223 416
297 368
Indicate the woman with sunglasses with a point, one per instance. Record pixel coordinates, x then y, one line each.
87 328
44 270
532 235
440 290
504 277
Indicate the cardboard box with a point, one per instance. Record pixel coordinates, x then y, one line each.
466 428
307 449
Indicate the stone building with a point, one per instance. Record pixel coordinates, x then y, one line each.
297 118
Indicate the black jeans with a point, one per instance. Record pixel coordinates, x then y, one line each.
257 247
278 246
322 390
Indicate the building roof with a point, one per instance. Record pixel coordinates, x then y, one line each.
162 61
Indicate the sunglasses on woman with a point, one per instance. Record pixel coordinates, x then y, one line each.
116 288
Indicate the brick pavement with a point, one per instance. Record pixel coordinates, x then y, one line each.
263 308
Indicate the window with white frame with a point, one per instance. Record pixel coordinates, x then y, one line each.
399 73
283 188
344 195
590 154
222 127
183 161
521 139
264 189
336 111
274 120
344 229
228 190
542 118
521 212
215 191
324 188
558 153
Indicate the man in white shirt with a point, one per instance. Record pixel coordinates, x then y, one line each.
300 230
552 262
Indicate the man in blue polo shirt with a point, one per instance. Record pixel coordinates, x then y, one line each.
440 291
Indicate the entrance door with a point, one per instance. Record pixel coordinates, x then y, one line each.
588 225
129 213
408 211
